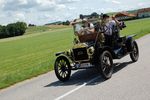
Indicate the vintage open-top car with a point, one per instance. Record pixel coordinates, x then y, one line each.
90 51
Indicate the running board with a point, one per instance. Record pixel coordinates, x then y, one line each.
78 66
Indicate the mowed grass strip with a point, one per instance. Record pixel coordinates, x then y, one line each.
24 58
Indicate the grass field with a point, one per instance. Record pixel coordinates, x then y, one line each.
40 29
23 58
140 27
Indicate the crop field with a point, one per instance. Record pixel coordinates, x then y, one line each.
33 54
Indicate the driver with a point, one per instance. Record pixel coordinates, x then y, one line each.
108 25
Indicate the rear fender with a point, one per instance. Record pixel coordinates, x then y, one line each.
108 49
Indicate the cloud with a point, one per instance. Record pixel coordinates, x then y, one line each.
19 16
12 5
112 1
66 1
116 2
60 7
45 11
141 4
42 5
2 3
72 8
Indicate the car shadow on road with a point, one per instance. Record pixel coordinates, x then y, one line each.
83 76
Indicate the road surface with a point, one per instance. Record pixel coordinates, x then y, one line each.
130 81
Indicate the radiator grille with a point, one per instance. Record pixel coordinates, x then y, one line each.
80 54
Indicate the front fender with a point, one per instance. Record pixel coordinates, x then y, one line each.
65 56
129 43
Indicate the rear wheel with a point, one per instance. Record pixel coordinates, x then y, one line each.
134 55
106 64
62 68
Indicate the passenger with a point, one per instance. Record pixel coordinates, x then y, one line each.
88 28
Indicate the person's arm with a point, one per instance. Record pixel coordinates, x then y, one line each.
117 22
91 29
72 23
75 22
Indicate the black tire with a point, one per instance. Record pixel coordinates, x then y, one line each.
62 68
134 55
105 64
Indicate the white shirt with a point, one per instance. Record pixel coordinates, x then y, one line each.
91 26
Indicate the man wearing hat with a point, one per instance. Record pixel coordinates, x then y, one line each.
108 25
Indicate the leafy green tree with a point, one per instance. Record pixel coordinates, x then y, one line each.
1 33
66 22
21 28
13 29
94 14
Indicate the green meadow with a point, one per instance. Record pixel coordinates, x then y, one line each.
33 54
140 27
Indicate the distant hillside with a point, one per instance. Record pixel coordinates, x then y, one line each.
55 23
129 11
59 23
94 14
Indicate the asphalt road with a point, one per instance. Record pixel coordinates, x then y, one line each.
130 81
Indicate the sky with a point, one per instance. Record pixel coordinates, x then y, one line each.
40 12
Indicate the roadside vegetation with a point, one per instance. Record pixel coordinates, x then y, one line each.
24 58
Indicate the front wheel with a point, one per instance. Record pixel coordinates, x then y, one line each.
134 55
106 64
62 68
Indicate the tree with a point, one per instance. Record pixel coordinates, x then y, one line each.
13 29
95 15
21 28
66 22
30 25
1 33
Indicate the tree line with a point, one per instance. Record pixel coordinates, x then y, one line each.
13 29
